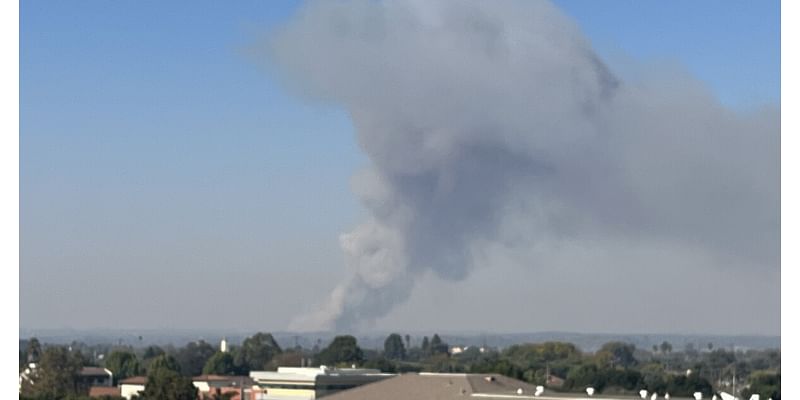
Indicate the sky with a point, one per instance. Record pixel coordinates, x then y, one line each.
169 178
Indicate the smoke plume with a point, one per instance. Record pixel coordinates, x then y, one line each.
495 122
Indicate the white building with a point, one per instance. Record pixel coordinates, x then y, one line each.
132 386
291 383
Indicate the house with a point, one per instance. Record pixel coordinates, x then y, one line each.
132 386
95 376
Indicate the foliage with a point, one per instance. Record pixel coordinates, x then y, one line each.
192 358
766 384
169 385
220 364
256 352
685 386
437 346
616 354
123 364
342 350
382 364
56 374
164 361
393 347
164 381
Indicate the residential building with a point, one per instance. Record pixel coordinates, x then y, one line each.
95 376
132 386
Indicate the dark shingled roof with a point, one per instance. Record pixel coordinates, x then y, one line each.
94 371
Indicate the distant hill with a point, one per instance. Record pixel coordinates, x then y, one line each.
586 341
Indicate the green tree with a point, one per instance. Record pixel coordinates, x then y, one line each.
393 347
764 383
33 350
256 352
342 350
164 361
583 376
55 376
164 381
685 386
152 352
192 357
220 364
616 354
123 364
666 347
437 346
426 346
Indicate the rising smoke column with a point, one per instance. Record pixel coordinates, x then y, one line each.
478 114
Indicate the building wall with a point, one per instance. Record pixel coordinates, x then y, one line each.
127 391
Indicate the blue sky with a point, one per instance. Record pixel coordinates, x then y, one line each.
155 154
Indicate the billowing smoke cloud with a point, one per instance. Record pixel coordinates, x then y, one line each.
493 123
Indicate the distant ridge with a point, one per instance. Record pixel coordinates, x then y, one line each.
586 341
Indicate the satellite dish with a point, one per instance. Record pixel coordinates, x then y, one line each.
590 391
654 396
539 391
519 391
755 397
698 395
666 396
643 393
714 397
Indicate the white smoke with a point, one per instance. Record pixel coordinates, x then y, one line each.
481 117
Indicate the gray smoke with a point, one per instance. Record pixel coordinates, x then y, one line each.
495 122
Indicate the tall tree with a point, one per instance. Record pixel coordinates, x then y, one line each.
437 346
426 345
164 381
33 350
342 350
393 347
192 357
56 375
666 347
256 352
220 364
616 354
164 361
123 364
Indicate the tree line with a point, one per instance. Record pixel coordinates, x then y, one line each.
617 367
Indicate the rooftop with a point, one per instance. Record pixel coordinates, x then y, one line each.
134 380
311 374
94 371
434 386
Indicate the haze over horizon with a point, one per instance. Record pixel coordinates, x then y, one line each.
194 167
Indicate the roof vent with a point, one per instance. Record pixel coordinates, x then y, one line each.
489 378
